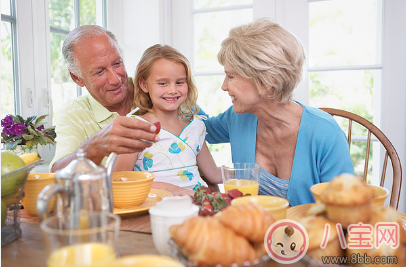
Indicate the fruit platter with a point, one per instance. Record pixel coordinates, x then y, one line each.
14 173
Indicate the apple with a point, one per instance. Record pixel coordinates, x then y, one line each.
11 183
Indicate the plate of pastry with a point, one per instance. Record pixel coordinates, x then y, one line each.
235 238
346 222
154 196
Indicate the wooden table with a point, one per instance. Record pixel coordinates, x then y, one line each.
29 249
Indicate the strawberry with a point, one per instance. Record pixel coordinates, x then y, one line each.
206 201
224 195
206 210
234 193
219 203
158 127
200 195
206 190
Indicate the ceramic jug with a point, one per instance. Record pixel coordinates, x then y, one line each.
80 186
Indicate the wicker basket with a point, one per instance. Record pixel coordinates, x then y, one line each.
11 229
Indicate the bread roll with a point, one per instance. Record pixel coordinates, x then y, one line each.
207 242
249 220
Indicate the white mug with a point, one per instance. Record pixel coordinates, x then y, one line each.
168 212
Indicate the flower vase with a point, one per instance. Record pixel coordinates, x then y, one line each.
22 149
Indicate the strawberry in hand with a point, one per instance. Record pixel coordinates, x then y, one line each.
158 127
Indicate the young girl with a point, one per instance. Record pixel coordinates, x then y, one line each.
165 92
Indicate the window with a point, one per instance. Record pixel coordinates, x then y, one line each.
33 71
344 53
65 15
212 22
26 49
9 93
345 62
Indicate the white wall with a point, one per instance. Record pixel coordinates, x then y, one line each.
394 85
136 24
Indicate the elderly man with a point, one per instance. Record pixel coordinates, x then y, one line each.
97 122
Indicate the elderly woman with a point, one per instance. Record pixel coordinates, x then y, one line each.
295 145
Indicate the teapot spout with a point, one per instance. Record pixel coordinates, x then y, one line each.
111 160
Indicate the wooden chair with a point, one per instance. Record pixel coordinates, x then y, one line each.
390 150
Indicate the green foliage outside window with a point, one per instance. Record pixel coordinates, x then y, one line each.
320 91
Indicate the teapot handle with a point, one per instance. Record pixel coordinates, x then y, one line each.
45 196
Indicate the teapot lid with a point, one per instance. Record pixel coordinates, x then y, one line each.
81 167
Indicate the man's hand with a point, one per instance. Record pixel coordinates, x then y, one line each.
124 135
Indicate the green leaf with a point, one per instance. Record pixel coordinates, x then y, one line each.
39 133
40 140
28 137
38 121
49 140
30 119
31 130
12 145
18 118
50 129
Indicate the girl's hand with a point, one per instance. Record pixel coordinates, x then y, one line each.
174 189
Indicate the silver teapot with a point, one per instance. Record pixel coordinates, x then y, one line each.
80 186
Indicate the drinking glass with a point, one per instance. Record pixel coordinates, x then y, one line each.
81 239
242 176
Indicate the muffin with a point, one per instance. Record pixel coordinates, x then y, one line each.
348 200
315 228
382 215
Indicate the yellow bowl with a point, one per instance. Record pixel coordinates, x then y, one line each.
381 193
380 196
35 183
131 188
277 206
145 260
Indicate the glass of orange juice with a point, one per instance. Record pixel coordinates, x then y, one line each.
81 239
242 176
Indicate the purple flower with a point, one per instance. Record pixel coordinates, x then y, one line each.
18 128
8 124
42 127
6 131
7 121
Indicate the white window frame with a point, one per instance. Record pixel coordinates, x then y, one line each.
33 75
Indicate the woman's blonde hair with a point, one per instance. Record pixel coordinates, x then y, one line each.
267 54
142 100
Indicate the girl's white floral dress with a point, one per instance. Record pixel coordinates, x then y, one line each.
173 158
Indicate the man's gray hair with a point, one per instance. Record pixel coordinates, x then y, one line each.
74 36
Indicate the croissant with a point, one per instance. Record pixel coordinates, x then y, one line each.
207 242
254 225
